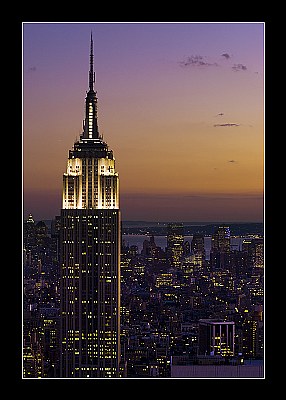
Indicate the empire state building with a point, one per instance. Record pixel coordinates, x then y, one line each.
90 254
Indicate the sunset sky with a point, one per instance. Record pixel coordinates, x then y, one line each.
180 104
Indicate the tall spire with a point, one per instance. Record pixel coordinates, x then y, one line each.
90 123
91 73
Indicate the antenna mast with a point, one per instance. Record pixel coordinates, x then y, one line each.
91 73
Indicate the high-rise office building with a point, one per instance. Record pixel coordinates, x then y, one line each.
90 253
220 249
255 251
221 239
216 337
175 240
198 244
198 249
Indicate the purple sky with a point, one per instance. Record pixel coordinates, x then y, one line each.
180 104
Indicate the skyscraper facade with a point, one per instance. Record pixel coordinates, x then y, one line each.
198 250
220 249
90 253
216 337
175 240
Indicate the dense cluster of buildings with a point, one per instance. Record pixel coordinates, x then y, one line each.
180 312
93 307
173 295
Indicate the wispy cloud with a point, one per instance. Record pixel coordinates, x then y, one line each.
226 56
196 61
239 67
226 124
203 61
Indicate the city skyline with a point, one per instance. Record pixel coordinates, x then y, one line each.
181 103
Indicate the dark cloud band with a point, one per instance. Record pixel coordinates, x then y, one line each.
227 124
